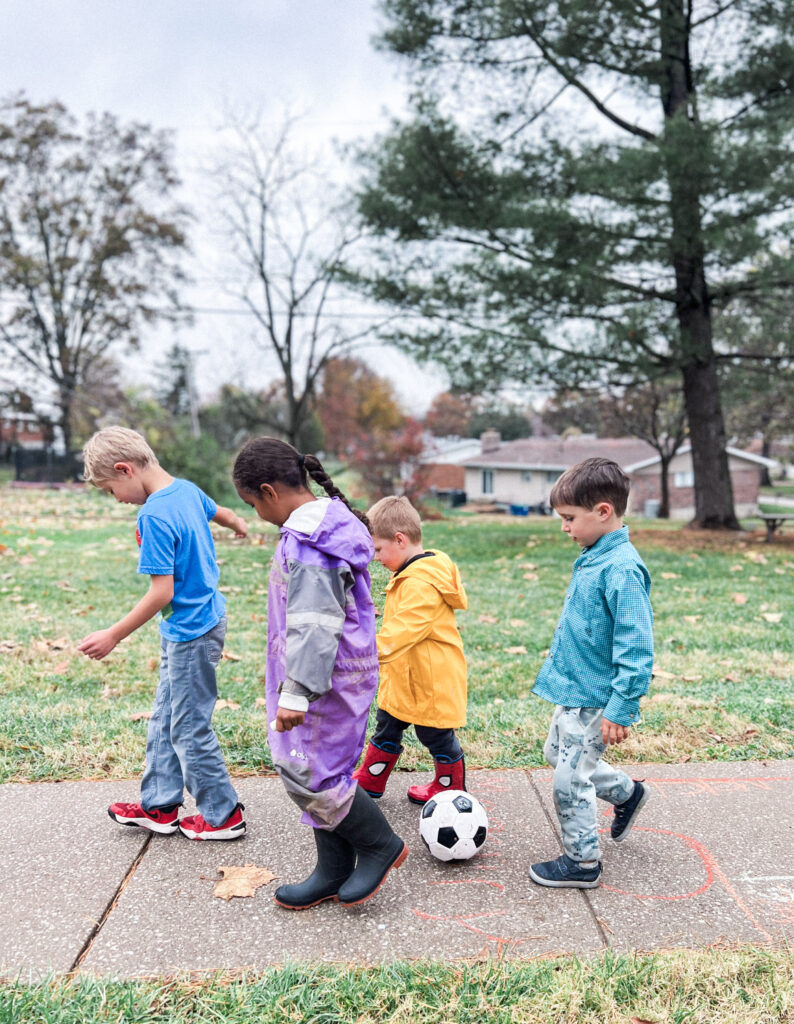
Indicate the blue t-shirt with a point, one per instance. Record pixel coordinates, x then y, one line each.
175 540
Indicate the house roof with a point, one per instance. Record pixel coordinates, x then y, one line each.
557 453
685 449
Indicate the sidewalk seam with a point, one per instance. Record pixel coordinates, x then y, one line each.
92 935
583 892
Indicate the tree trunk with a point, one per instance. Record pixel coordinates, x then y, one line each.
664 487
683 143
766 448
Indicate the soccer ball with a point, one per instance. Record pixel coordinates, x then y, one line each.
453 825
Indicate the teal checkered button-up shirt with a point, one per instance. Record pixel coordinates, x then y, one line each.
602 652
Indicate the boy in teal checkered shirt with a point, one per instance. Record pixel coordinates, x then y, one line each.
598 667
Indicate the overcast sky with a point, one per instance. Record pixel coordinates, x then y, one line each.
175 64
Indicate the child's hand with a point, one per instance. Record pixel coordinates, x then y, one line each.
97 645
240 528
612 733
286 720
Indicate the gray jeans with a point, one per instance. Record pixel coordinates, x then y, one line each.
182 750
574 748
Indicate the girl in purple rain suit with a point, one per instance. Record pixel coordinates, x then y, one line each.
322 670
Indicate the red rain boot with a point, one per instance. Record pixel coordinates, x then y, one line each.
448 776
373 774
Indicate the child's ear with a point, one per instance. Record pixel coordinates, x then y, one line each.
123 468
268 492
605 510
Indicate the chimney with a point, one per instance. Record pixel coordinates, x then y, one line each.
490 441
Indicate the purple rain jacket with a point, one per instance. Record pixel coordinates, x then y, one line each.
321 645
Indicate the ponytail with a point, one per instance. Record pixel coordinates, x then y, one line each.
268 460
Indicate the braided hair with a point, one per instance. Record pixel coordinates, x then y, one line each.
268 460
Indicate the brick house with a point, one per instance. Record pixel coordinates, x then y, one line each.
521 473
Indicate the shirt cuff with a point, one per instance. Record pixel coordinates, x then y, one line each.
293 702
622 711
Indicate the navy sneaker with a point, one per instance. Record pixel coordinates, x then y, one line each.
564 873
625 813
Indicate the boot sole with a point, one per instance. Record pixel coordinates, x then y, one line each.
307 906
395 864
625 833
145 824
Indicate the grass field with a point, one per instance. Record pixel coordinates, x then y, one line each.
724 643
708 987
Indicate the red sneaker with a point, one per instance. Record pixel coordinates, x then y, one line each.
195 827
155 820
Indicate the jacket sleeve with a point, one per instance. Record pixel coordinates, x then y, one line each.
632 644
412 622
316 601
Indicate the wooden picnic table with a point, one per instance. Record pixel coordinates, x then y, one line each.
772 521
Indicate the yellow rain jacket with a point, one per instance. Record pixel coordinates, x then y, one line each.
422 667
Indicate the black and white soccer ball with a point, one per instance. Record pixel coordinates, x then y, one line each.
453 825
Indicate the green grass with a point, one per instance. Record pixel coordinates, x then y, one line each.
69 567
715 986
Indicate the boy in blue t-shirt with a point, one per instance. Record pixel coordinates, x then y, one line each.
599 665
178 553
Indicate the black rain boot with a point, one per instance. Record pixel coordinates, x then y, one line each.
378 849
335 862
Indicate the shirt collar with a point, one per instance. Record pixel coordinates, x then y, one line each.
604 544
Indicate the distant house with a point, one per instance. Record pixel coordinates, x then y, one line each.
443 474
522 473
21 430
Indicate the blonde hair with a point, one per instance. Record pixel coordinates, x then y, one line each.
114 444
394 515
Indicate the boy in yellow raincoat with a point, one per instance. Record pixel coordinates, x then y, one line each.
422 666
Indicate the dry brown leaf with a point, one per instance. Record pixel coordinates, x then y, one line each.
518 623
27 560
528 565
516 650
671 576
153 663
772 616
737 568
228 656
138 715
260 702
691 618
660 673
530 575
223 703
691 679
740 598
61 668
7 646
241 881
642 1020
731 679
489 620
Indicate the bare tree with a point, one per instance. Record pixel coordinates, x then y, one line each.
90 240
289 239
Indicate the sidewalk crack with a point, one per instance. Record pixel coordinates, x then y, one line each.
583 892
92 935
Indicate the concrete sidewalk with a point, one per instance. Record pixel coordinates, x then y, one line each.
709 861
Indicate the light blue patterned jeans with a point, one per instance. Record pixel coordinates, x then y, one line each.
574 748
182 750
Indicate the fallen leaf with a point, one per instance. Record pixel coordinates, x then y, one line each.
138 715
241 881
757 557
737 568
642 1020
109 693
671 576
6 646
260 702
64 585
223 703
731 679
517 623
660 673
27 560
61 668
153 663
228 656
692 618
772 616
516 650
489 620
530 575
740 598
528 565
691 679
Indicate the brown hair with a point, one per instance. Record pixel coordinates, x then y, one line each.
394 515
114 444
590 482
268 460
